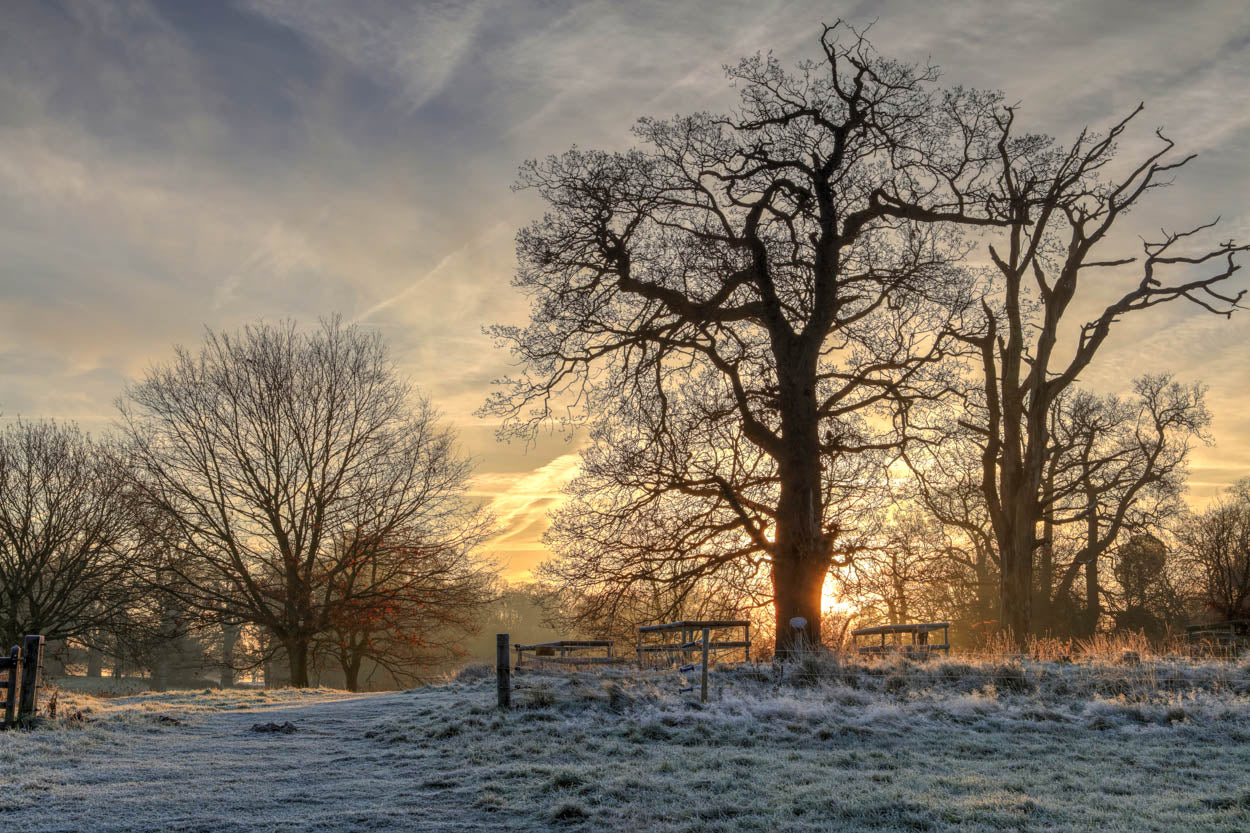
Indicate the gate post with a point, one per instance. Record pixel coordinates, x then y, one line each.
503 671
703 681
32 671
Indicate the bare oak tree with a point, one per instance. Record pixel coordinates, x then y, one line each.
1061 206
767 292
273 462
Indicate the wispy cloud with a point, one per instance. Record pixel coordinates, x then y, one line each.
520 501
415 49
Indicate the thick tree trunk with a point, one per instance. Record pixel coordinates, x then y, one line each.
797 588
801 549
1016 602
95 663
800 564
297 657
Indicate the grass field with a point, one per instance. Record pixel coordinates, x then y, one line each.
952 745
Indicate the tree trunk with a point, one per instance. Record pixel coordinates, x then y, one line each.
1046 568
351 670
1093 605
1017 585
297 656
801 556
95 663
160 669
229 636
1091 564
797 589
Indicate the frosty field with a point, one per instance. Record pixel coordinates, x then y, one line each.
944 746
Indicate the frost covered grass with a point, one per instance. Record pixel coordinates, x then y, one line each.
825 745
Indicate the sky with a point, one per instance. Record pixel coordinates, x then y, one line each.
171 166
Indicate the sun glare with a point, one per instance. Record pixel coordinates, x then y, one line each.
831 599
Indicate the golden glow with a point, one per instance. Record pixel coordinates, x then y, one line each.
831 600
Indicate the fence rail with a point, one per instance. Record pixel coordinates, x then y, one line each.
686 631
558 652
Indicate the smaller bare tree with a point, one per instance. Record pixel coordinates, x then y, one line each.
1115 468
63 533
269 463
1215 546
909 575
407 602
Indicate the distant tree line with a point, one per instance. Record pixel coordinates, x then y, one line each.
279 496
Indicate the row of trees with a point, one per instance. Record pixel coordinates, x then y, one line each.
283 488
762 315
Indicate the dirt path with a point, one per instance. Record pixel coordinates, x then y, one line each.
214 774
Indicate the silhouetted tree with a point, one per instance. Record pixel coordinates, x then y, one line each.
65 530
1215 546
1061 206
1116 467
909 575
748 304
269 460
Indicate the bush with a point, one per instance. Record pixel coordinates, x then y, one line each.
475 672
1011 677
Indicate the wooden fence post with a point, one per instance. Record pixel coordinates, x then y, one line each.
703 684
11 687
503 671
32 671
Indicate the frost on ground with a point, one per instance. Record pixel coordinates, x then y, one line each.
969 746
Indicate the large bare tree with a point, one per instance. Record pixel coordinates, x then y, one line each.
272 463
763 294
1062 206
64 533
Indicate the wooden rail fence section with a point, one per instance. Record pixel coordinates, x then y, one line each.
910 639
23 668
568 652
686 630
1227 640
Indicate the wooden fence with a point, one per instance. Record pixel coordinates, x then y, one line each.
911 639
23 669
686 631
1226 640
568 652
